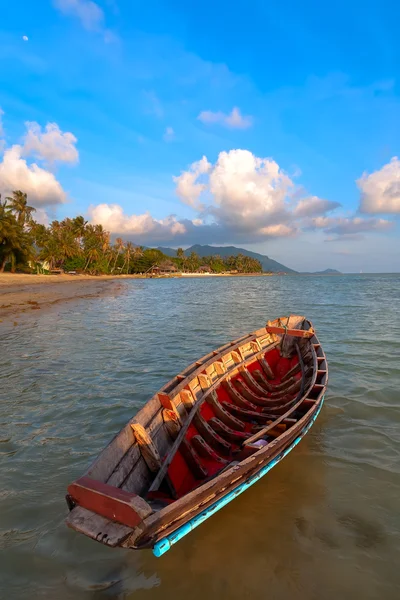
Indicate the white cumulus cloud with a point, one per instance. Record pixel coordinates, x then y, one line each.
380 191
19 172
42 187
51 144
188 187
233 120
245 194
113 218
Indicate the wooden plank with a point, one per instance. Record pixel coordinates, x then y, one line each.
249 415
211 437
147 447
108 501
286 414
266 368
224 415
292 332
187 399
236 397
291 372
165 466
192 460
220 367
227 432
125 466
97 527
139 479
102 468
205 382
166 402
172 424
203 449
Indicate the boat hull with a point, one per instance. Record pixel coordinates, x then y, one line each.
164 544
203 439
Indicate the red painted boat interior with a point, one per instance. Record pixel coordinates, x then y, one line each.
180 474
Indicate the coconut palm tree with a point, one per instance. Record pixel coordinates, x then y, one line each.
18 204
119 245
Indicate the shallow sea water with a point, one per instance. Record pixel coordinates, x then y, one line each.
323 524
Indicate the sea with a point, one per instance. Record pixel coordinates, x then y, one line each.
324 524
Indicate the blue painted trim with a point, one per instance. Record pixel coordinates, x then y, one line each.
163 545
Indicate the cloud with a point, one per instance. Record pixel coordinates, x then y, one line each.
169 134
380 191
187 186
354 225
25 38
240 198
112 217
246 194
50 145
234 120
89 13
349 226
42 187
313 206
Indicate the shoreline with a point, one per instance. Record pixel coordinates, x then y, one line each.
23 293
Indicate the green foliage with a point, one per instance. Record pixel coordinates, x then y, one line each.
76 245
75 263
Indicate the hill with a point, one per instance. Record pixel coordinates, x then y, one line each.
268 264
326 272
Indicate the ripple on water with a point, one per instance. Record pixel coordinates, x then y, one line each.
325 519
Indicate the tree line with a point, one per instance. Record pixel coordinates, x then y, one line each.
76 245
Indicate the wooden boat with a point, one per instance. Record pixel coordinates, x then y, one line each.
203 439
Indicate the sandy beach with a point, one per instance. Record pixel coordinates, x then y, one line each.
24 293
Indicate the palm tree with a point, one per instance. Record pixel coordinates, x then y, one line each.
18 203
119 245
128 253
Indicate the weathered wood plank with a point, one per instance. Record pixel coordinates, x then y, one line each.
97 527
147 447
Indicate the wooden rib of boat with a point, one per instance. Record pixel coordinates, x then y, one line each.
203 439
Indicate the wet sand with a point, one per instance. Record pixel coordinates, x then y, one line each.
23 293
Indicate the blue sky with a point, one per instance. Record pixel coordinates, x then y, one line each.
139 93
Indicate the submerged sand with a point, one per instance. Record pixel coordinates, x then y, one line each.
24 293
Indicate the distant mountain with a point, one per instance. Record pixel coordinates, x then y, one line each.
326 272
268 264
